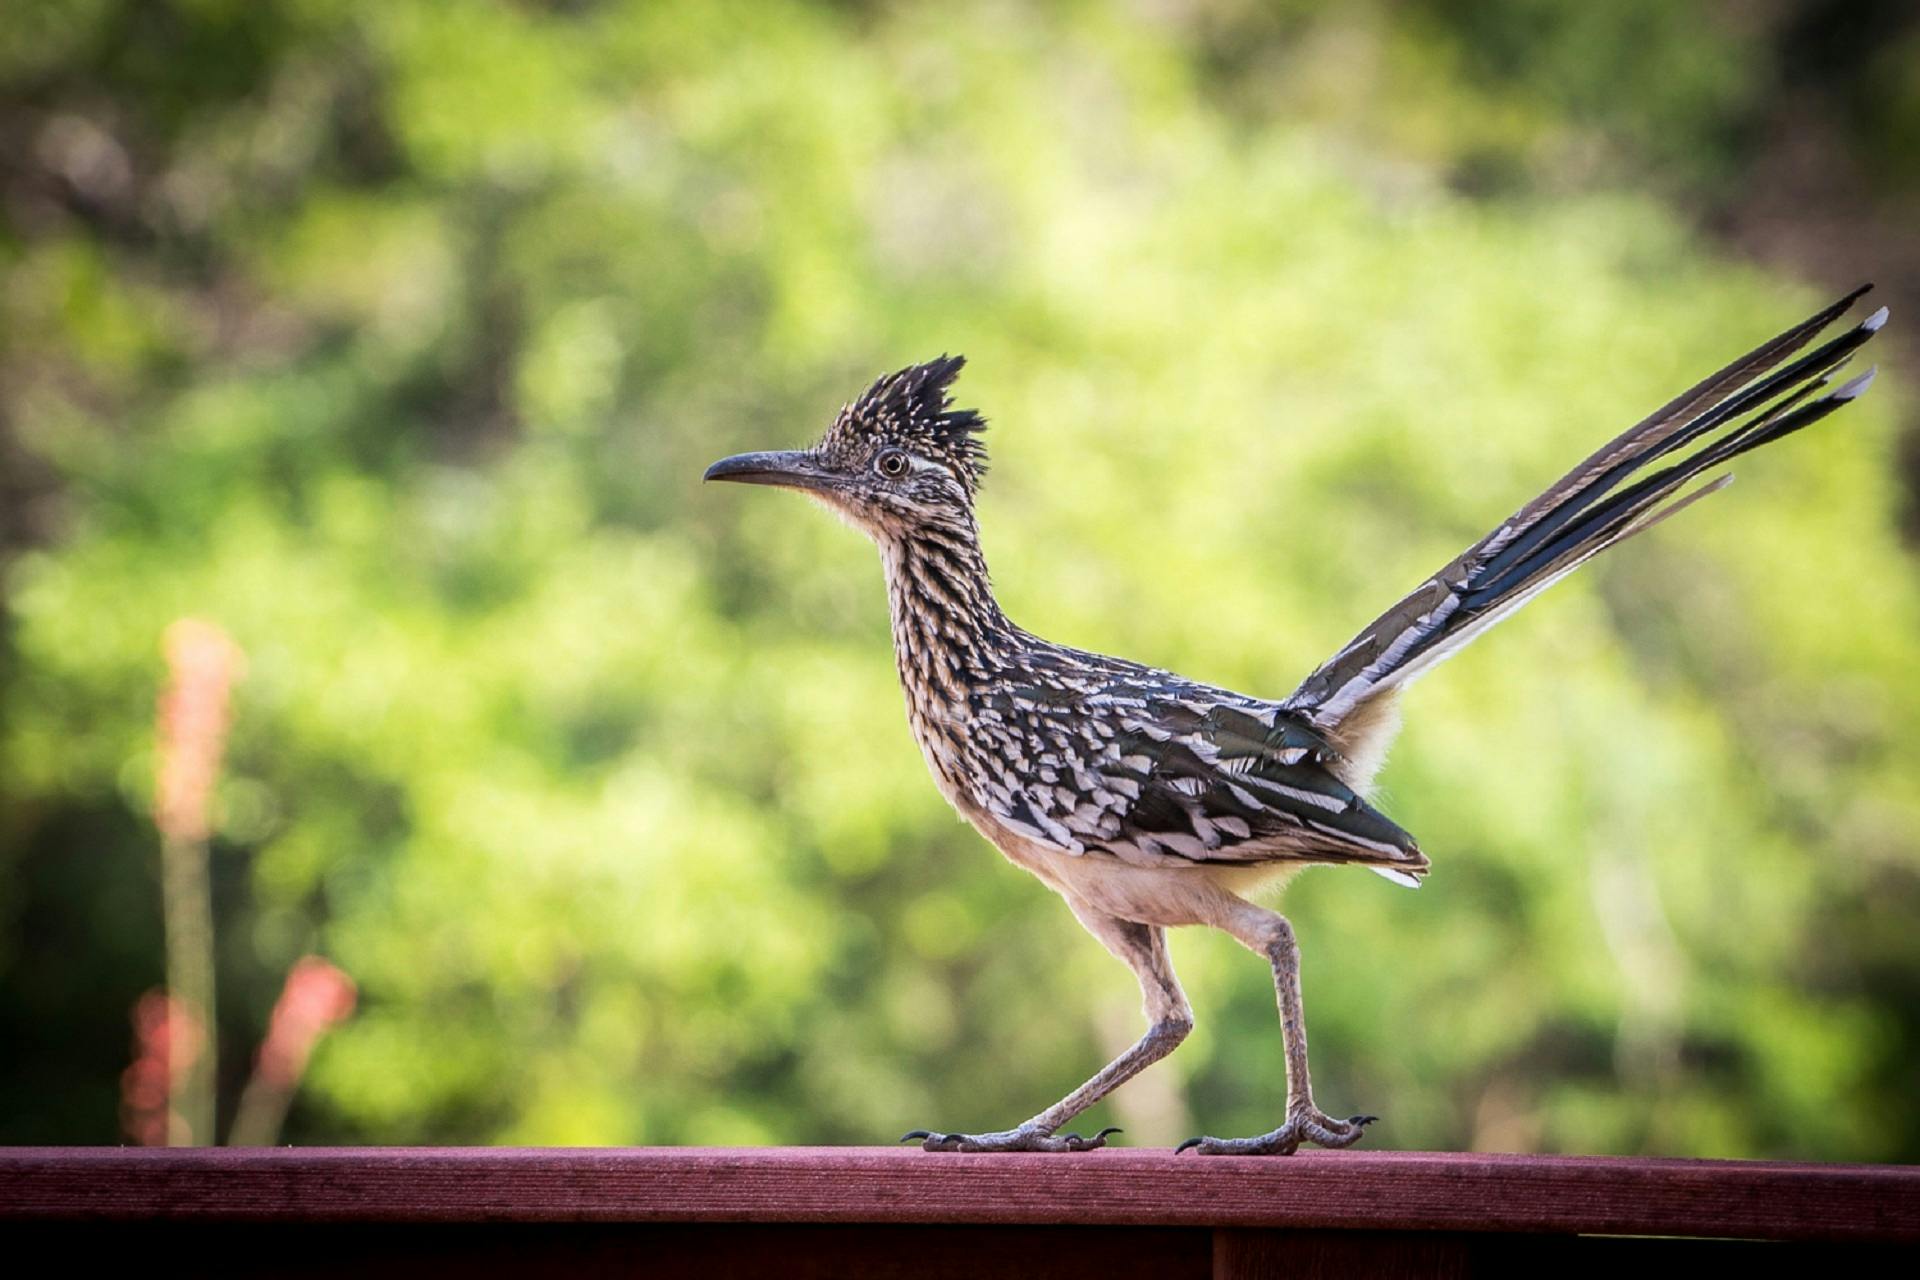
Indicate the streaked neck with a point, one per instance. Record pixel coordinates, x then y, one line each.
947 627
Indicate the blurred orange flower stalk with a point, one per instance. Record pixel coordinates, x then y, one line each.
317 996
202 665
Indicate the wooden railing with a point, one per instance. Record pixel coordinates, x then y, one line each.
881 1212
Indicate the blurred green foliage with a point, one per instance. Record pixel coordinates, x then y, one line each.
395 337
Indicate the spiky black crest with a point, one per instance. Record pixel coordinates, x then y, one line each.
912 409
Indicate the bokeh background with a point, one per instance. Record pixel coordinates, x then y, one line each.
392 339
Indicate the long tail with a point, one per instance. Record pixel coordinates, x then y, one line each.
1753 401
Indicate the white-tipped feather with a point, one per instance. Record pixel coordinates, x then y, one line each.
1854 389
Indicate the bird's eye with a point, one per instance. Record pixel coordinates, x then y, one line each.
892 463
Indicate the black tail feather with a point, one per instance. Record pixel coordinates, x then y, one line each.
1594 506
1828 357
1601 513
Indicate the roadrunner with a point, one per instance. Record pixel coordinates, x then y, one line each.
1147 800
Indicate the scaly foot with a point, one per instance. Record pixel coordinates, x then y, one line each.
1309 1124
1027 1137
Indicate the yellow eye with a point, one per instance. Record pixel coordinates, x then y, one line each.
892 463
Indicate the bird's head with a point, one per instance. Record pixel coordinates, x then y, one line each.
897 460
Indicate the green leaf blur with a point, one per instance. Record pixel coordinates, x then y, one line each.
396 340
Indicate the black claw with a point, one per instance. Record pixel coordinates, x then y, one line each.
1190 1142
916 1135
1077 1143
1363 1121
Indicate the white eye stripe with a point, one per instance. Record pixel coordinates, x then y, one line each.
895 463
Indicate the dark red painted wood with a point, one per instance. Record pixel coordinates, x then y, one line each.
655 1251
1349 1190
830 1251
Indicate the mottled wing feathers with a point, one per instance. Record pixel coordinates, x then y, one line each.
1184 774
1753 401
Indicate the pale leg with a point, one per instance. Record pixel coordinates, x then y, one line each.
1268 933
1169 1019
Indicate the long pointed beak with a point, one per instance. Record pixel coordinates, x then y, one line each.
789 468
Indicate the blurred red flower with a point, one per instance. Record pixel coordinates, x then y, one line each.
316 996
161 1025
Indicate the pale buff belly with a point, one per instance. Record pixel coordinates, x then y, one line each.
1169 895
